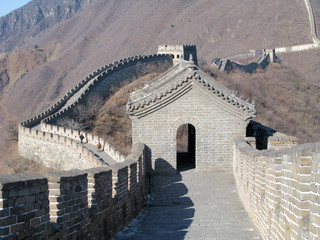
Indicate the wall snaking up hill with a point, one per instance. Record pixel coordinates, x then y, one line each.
85 86
91 204
42 142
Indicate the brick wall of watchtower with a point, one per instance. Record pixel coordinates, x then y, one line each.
179 52
215 128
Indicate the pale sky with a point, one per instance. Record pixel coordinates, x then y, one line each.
7 6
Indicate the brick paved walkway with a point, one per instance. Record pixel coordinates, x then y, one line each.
193 205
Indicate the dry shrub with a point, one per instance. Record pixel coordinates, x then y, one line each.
11 162
84 115
112 122
16 164
284 99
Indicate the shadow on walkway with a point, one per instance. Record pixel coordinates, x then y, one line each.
169 212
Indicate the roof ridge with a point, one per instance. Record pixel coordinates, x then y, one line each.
167 86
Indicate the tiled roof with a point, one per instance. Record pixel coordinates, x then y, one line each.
177 81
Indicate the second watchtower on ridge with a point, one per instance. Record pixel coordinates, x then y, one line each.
179 52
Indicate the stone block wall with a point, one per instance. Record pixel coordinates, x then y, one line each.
280 140
70 94
24 206
91 204
179 52
49 145
280 189
52 150
88 138
86 85
268 138
101 83
215 128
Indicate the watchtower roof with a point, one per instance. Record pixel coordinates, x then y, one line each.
177 81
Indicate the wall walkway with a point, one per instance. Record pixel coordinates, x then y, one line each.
195 204
91 204
45 143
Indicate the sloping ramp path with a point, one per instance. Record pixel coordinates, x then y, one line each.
193 205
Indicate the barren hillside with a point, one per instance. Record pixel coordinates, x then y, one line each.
21 25
316 11
285 99
112 122
103 32
77 37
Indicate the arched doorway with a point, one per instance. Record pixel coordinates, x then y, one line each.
186 147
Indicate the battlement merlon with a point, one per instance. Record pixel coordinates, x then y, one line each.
170 48
178 52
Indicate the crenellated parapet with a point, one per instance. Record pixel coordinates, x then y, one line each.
68 95
262 137
280 189
43 142
52 150
103 79
180 52
88 84
89 138
91 204
254 59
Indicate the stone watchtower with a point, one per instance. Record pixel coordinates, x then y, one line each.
185 95
179 52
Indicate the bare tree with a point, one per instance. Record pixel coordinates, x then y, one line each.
12 133
69 123
86 113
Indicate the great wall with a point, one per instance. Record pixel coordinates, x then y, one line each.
38 129
93 203
277 179
254 59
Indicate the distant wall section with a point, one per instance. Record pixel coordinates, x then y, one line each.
41 141
179 52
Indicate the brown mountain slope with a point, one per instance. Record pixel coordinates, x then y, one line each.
21 25
99 32
112 122
106 31
285 100
15 65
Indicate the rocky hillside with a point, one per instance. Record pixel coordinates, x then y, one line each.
25 23
48 46
105 31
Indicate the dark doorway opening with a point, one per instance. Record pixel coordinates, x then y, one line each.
186 147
